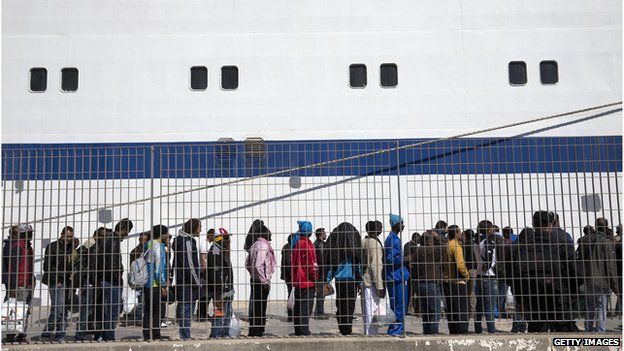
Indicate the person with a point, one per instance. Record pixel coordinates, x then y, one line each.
397 275
285 270
412 287
617 245
441 229
186 268
470 249
83 278
304 273
456 281
108 270
261 265
220 281
596 262
344 261
205 295
156 286
427 260
372 277
17 271
487 256
319 246
56 275
541 257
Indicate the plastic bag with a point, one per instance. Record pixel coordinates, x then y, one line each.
291 300
383 314
235 327
129 297
14 315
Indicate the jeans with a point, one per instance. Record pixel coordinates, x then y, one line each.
456 296
397 291
85 321
151 312
502 298
221 325
258 306
596 305
487 295
304 301
429 299
346 293
57 320
111 304
319 309
184 312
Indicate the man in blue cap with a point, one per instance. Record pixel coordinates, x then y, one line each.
397 275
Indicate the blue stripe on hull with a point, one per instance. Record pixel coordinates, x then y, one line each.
213 160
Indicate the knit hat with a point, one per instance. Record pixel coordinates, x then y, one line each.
395 219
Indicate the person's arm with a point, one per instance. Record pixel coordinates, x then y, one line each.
611 269
376 259
46 263
461 264
393 253
202 258
259 265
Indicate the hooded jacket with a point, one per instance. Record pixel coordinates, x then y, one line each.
186 266
304 270
57 266
596 262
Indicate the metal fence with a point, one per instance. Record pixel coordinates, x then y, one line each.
555 278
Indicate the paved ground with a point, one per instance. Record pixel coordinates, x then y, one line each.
278 328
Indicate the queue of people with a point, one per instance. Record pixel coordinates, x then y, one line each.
445 266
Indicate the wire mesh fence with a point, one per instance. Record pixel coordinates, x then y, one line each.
278 238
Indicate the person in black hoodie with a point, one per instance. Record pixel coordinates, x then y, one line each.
344 263
108 272
186 267
285 273
57 273
220 282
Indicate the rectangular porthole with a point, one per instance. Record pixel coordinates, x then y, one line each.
517 73
69 79
38 79
229 77
357 75
549 72
388 75
199 78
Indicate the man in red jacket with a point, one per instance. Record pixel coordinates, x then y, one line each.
304 275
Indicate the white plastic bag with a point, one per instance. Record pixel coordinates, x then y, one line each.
383 315
291 300
235 327
14 315
130 300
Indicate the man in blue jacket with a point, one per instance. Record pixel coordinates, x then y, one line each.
397 275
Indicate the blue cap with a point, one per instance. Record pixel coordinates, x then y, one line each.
305 228
395 219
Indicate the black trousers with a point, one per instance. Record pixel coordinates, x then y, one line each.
304 301
346 293
151 313
258 306
456 298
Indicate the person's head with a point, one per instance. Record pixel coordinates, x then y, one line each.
158 231
396 223
507 232
305 228
192 226
320 234
124 227
427 238
485 227
556 223
265 232
67 234
101 233
222 239
602 225
588 229
455 232
144 237
374 228
441 225
496 229
13 232
415 237
25 232
210 235
469 235
543 220
166 239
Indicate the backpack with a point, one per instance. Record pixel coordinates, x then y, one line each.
138 275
